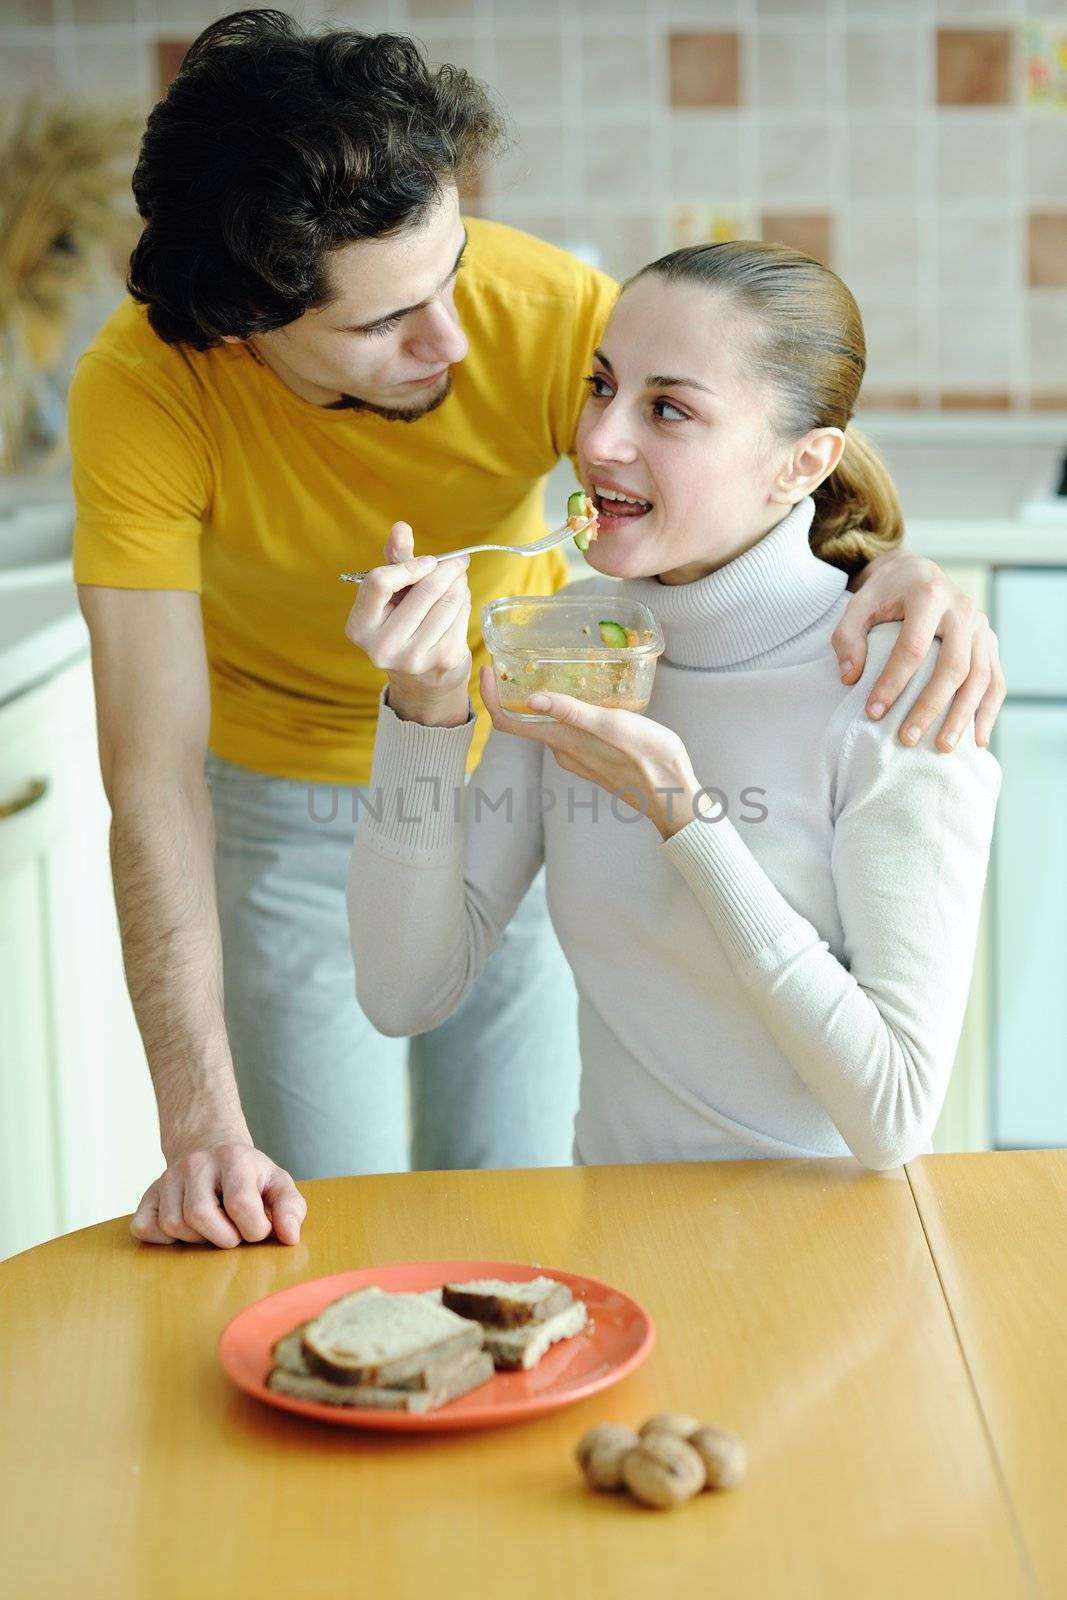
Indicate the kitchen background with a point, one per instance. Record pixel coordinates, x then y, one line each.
917 146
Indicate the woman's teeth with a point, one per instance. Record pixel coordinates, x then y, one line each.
618 507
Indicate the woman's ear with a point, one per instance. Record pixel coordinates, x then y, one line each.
813 459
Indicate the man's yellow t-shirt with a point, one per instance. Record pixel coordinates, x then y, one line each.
204 471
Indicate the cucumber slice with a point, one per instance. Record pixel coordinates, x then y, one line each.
576 504
613 633
582 539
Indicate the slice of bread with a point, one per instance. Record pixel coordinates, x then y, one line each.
469 1372
500 1304
385 1339
524 1347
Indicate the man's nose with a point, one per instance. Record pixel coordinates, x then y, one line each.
439 336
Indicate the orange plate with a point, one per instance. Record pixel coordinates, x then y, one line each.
619 1338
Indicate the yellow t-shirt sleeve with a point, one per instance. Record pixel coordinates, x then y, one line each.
141 478
595 296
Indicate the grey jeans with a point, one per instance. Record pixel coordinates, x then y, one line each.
323 1092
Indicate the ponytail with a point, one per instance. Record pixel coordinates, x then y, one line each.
857 510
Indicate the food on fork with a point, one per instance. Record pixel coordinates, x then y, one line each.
583 517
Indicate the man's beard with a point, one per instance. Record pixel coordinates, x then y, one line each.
351 402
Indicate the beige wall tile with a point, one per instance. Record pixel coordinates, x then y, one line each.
617 73
1046 158
459 48
981 255
976 343
812 232
882 160
529 70
705 155
976 154
896 352
26 68
1048 249
974 66
440 8
793 69
117 69
1048 340
883 67
796 162
538 167
882 255
28 13
90 12
704 68
620 162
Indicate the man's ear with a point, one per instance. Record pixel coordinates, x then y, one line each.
231 338
812 460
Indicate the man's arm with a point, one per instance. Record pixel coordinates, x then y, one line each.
901 587
153 713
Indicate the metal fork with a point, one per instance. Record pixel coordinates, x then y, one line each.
549 542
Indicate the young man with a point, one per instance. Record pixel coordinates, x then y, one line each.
319 347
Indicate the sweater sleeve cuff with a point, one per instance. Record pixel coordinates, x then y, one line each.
414 805
740 901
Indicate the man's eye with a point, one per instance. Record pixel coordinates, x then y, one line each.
383 327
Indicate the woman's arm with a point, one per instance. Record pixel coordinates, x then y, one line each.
438 869
873 1036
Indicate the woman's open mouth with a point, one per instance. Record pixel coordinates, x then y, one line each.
616 508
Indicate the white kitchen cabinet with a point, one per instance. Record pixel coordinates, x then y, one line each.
79 1139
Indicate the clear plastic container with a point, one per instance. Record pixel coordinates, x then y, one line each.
552 643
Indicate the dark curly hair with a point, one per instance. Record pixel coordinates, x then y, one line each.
272 147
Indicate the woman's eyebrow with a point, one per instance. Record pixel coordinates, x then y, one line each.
365 327
659 380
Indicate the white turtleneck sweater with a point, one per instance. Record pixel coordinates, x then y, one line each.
787 981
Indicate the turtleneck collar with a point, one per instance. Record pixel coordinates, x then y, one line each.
752 605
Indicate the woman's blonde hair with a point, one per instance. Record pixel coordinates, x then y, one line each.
810 349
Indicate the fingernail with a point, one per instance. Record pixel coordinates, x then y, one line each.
846 668
950 739
420 564
912 735
877 709
291 1225
540 702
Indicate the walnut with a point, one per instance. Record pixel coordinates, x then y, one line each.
675 1422
723 1454
601 1451
663 1471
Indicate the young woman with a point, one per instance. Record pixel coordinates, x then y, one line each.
770 904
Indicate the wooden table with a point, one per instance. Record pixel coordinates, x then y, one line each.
896 1370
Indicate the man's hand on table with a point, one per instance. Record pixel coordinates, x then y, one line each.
899 587
220 1191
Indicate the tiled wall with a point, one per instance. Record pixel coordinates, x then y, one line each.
918 146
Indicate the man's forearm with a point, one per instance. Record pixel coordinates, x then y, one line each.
162 858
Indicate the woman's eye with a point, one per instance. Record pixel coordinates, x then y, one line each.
659 406
599 387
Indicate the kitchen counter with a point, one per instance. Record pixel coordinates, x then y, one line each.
889 1345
